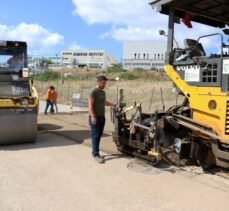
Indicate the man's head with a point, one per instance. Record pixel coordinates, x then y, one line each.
101 82
17 57
52 87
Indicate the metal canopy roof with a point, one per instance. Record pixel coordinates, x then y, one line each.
210 12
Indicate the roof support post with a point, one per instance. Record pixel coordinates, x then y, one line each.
170 36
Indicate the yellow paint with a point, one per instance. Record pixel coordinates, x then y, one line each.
35 95
154 154
199 98
8 103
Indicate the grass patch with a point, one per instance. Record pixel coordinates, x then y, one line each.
47 75
113 72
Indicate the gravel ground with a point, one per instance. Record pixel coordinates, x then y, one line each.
58 173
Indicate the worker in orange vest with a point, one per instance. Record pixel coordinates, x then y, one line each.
54 100
49 99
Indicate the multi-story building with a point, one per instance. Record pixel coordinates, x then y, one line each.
87 58
144 54
35 61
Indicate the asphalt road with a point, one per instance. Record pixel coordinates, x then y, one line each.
58 173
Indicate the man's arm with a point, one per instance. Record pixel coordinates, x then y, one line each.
107 103
91 102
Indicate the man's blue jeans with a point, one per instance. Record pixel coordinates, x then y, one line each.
96 133
48 103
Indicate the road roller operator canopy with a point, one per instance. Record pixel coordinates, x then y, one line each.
210 12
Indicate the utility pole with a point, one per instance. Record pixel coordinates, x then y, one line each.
61 72
61 86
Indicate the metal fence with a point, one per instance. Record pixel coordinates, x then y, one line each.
65 91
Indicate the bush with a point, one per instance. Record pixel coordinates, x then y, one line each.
47 75
140 73
139 70
154 69
127 76
45 62
115 68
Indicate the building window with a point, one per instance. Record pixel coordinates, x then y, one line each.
147 56
135 56
95 54
144 56
158 56
139 56
66 53
95 64
155 56
80 54
162 56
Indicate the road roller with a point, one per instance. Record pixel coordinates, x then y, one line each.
18 97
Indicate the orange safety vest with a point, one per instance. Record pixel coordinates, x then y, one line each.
49 95
54 95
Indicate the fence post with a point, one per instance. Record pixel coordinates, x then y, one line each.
42 88
81 93
68 90
61 92
151 99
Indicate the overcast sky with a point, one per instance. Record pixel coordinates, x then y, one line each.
49 26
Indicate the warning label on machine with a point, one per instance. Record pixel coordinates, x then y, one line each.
191 73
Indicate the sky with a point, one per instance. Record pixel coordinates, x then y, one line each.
50 26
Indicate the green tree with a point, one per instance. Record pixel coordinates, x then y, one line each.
45 62
115 68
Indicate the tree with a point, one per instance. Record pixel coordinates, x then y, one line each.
45 62
115 68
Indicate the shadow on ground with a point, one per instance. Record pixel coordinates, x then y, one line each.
46 138
46 127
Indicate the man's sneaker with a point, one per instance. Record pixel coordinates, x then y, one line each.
98 159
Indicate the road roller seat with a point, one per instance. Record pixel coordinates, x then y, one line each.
193 48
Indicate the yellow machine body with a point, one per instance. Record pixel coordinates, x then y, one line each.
198 128
19 100
199 101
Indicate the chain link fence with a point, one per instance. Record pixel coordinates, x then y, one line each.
152 95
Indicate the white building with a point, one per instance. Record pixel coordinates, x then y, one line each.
87 58
35 61
144 54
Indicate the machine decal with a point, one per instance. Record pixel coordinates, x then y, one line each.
192 72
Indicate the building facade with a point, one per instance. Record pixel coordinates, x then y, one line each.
87 58
144 54
35 61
